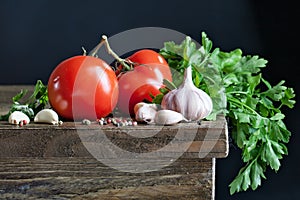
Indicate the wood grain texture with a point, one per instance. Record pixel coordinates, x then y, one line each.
71 139
87 178
40 161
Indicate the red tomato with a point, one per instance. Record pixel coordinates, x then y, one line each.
83 87
143 81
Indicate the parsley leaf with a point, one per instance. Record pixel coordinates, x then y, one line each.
253 106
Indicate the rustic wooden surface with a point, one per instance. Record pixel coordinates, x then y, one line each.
87 178
65 140
39 161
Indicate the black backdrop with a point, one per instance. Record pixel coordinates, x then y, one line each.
36 35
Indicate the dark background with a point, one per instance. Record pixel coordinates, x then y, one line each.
36 35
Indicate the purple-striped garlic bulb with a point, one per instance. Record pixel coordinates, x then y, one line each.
193 103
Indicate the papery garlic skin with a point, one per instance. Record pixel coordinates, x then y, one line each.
142 104
193 103
145 114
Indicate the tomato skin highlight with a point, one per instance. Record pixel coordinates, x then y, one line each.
83 87
144 80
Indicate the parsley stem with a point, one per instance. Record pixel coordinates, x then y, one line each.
237 92
233 100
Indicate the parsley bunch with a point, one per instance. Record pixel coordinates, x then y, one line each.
239 91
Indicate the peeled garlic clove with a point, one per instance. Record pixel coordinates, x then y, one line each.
168 117
47 116
17 116
145 114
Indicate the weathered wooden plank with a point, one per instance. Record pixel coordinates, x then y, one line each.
70 139
87 178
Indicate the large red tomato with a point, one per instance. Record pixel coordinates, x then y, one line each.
143 81
83 87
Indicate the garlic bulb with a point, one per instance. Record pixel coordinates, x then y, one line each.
193 103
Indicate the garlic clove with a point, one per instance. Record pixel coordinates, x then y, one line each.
145 114
17 116
141 104
138 105
168 117
47 116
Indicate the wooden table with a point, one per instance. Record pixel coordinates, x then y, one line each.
69 161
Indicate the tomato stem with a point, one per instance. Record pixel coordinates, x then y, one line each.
111 52
84 51
96 49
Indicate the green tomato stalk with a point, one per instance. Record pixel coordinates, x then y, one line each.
104 41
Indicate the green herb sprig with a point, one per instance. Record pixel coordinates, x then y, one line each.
37 101
239 91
